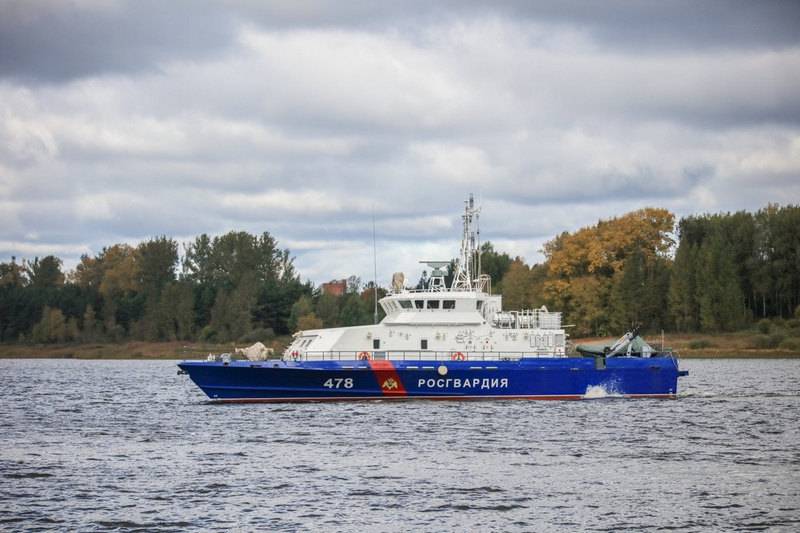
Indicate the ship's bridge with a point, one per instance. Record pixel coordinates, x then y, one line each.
426 307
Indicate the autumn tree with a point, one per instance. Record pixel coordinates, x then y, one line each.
519 287
309 321
121 271
588 300
12 274
582 266
52 327
88 274
302 307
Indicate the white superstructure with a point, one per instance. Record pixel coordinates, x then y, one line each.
464 321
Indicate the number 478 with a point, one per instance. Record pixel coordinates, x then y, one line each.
339 383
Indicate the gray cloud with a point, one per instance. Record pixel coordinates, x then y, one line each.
121 121
54 40
48 40
677 25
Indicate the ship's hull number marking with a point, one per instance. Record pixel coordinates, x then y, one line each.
339 383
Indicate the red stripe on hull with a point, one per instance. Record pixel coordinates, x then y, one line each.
388 378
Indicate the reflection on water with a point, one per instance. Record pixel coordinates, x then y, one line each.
131 446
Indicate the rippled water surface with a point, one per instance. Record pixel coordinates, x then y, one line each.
131 446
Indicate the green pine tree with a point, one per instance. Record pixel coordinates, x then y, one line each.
683 304
718 291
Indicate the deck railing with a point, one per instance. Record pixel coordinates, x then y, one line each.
417 355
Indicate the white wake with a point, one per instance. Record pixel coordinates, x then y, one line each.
605 390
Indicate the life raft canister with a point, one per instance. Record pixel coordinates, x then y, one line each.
364 356
458 356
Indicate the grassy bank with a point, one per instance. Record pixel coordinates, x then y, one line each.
125 350
743 344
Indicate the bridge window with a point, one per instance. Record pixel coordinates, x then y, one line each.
433 304
406 304
420 304
480 304
448 304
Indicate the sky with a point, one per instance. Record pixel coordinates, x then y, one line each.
121 121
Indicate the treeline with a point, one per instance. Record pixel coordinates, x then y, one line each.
236 287
731 268
710 273
224 289
723 272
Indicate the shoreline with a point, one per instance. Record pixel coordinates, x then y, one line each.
761 354
736 345
133 350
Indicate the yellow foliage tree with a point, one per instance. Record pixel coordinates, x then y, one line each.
517 285
602 249
581 265
114 271
309 321
52 327
120 270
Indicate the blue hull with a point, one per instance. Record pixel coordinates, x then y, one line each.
556 378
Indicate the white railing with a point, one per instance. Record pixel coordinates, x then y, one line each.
527 319
436 290
416 355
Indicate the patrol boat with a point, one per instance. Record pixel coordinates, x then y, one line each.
440 343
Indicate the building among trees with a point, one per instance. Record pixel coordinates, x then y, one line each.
335 287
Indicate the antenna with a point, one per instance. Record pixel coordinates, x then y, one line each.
375 269
478 243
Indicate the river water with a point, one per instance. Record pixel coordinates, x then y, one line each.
131 446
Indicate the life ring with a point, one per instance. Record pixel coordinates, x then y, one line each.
295 355
458 356
364 356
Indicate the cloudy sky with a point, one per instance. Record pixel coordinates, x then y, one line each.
124 120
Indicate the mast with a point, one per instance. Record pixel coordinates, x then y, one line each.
477 246
468 265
